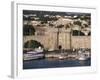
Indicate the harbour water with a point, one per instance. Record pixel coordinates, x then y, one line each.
47 63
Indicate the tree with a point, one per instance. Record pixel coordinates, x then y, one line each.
77 23
28 30
32 44
89 34
76 33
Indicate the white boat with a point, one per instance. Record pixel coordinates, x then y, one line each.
33 55
61 57
81 55
31 52
39 50
82 58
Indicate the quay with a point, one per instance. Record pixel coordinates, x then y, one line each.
58 54
70 55
61 56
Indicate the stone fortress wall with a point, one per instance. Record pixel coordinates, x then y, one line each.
66 40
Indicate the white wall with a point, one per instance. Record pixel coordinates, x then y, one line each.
5 38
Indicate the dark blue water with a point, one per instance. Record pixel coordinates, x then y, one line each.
45 63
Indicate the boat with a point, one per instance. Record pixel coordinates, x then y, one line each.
33 56
61 57
30 55
84 56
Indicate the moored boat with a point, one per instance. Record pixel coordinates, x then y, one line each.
84 56
37 54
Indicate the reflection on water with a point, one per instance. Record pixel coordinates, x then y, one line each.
54 63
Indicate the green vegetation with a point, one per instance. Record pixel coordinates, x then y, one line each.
32 44
77 33
28 30
77 23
